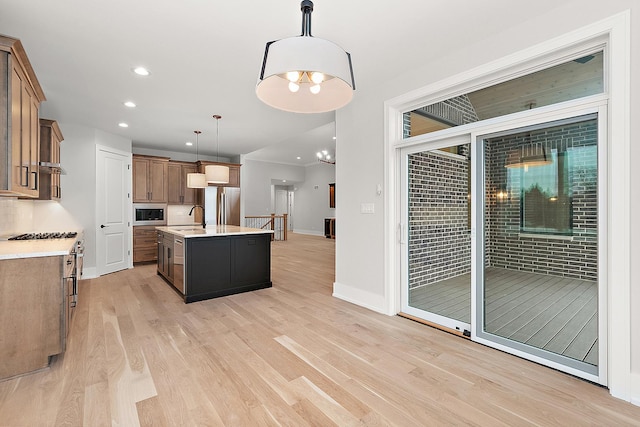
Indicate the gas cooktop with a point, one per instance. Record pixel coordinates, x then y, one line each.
41 236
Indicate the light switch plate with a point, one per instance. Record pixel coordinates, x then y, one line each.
367 208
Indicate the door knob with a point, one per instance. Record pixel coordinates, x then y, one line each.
102 226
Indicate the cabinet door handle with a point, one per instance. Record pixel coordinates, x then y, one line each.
24 178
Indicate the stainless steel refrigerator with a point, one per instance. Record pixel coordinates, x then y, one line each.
222 205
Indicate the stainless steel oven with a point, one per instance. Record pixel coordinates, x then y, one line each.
149 214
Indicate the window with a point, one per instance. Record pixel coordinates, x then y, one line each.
577 78
546 205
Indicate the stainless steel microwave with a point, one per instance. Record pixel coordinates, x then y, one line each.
149 214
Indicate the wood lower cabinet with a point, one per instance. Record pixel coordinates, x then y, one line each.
20 99
150 179
35 313
179 194
145 245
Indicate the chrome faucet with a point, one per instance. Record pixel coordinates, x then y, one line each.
204 224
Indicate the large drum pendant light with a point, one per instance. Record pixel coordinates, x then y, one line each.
217 174
196 180
305 74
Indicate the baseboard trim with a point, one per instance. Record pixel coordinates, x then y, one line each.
359 297
309 232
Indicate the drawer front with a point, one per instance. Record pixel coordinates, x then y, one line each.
145 254
140 231
144 240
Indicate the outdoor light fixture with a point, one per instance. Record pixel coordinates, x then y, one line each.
196 180
217 174
305 74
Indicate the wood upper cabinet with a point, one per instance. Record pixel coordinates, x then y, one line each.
234 172
20 98
179 194
150 179
50 138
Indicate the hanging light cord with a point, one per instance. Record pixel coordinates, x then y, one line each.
197 132
306 6
217 117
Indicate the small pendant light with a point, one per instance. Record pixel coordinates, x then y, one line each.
196 180
217 174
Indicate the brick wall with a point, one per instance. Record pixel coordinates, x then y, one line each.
457 111
439 238
507 247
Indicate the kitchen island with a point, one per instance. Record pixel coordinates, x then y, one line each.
215 261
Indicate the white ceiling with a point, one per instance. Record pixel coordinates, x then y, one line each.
204 56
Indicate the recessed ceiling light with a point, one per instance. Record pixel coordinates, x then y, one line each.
141 71
334 137
130 104
123 125
298 158
189 143
284 180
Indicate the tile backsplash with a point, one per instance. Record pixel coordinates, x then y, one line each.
16 215
179 215
25 216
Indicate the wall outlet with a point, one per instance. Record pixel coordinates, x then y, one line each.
367 208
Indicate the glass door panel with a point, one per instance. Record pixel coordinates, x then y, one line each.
540 267
438 287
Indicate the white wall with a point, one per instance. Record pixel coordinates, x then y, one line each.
255 183
311 199
360 248
78 160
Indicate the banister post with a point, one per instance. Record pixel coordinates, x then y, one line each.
285 226
273 223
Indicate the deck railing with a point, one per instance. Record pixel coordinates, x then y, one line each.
277 223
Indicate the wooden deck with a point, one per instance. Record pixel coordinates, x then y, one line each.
553 313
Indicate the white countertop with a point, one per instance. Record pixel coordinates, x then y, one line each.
211 230
12 249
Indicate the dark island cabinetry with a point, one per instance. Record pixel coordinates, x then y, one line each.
214 262
225 265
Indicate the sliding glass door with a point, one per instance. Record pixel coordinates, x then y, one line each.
538 284
513 260
438 249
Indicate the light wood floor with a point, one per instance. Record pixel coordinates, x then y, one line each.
553 313
291 355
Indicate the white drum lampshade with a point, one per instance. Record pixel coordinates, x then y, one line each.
305 74
196 180
217 174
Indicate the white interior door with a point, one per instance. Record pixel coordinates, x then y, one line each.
113 210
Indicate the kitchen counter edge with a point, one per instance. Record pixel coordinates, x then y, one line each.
14 249
212 231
